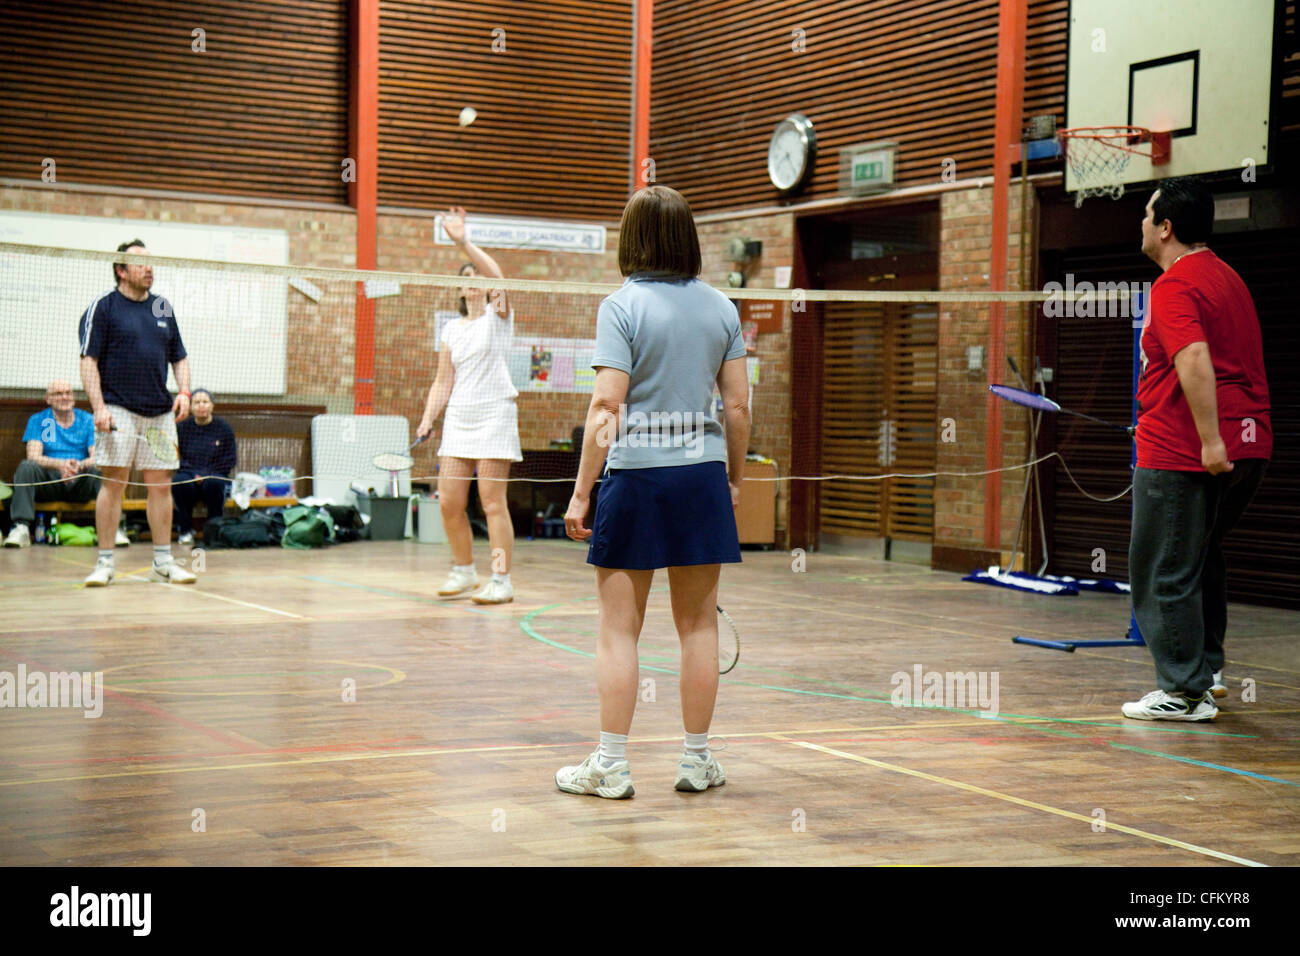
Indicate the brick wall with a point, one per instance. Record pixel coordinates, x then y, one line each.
770 410
321 336
320 356
406 357
965 239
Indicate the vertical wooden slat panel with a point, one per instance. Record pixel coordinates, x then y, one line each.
879 381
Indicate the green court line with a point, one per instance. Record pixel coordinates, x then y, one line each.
864 693
528 628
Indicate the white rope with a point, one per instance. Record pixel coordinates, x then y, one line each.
416 478
796 296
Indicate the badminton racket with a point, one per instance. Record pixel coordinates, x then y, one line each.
160 443
395 461
1041 402
735 634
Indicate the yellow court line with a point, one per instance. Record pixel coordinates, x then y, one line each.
1020 801
388 755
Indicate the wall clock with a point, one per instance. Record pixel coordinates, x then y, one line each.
792 153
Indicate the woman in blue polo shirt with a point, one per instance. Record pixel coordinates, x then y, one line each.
667 501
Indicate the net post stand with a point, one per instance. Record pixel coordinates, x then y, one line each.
1134 636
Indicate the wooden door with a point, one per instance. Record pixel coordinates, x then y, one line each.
879 378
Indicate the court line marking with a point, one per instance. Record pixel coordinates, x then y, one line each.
395 676
195 589
240 742
943 617
1104 720
422 752
528 629
1020 801
192 588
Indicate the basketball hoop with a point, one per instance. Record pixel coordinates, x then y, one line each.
1098 156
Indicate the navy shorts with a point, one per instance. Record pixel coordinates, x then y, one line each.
651 518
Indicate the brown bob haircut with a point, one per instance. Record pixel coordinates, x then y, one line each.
658 235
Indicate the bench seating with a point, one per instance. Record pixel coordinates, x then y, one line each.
266 435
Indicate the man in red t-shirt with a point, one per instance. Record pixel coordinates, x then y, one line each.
1204 439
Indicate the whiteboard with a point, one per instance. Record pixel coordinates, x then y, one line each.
234 326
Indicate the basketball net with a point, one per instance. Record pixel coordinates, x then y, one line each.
1099 155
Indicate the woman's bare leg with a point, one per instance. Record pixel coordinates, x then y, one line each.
453 496
492 487
694 592
622 597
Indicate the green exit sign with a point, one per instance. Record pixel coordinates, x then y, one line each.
867 168
868 171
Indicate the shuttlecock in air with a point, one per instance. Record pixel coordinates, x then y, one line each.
468 115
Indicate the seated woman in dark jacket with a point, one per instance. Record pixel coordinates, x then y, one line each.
207 448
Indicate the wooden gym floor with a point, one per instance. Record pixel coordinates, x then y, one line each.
224 714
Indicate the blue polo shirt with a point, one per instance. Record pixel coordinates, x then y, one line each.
134 343
671 336
73 442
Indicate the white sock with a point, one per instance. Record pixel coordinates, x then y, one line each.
697 745
463 568
162 554
501 579
106 557
613 747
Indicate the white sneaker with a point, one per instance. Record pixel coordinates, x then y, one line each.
186 539
698 774
494 592
458 582
19 537
120 540
1159 705
1220 689
593 777
101 577
171 573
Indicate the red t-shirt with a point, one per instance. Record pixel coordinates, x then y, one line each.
1201 299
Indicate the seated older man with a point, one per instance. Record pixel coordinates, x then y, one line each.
61 452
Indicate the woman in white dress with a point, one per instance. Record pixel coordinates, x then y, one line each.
481 428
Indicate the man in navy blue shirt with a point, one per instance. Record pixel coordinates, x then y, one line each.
128 338
60 461
208 456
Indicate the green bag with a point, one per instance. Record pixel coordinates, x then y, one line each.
306 527
75 535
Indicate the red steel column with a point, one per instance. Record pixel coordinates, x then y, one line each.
363 192
643 44
1006 135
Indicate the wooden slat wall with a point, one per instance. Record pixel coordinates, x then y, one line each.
1093 374
919 72
554 110
879 377
913 398
853 406
115 95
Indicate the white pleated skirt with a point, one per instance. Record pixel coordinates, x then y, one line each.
483 430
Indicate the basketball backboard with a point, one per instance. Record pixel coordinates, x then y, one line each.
1199 69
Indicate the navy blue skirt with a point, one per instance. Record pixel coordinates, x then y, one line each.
651 518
